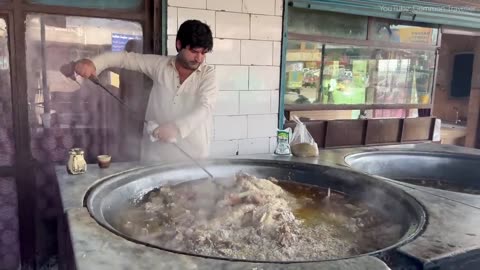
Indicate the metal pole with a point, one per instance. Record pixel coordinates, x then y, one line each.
45 89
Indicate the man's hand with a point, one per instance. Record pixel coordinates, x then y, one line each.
85 68
166 132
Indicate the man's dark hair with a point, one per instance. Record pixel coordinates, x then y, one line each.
195 34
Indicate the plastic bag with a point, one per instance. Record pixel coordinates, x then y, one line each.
302 144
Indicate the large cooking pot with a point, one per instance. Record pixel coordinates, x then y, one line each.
110 196
447 171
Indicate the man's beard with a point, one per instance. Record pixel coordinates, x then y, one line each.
192 65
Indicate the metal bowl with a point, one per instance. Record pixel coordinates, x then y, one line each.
447 171
109 196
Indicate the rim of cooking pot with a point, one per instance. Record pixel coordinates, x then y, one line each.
94 197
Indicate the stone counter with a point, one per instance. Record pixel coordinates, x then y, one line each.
94 247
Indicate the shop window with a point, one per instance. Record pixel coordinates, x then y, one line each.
311 22
346 64
65 113
100 4
7 145
358 75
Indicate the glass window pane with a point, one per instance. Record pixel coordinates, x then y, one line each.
357 75
385 30
360 75
65 113
7 144
102 4
303 67
313 22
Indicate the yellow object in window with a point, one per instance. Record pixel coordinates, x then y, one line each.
114 79
425 99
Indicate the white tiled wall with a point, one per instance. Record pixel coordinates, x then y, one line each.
274 101
255 102
246 56
230 127
264 78
232 25
253 146
201 4
228 103
230 5
224 148
206 16
266 27
259 7
256 52
279 7
171 45
262 125
232 77
277 53
225 52
172 20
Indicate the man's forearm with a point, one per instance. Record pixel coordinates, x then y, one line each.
147 64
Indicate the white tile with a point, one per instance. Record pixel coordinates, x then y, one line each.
225 52
274 101
223 148
232 77
188 3
227 103
232 25
259 6
266 27
206 16
255 102
254 146
230 127
256 52
279 7
262 125
172 18
277 53
264 78
229 5
171 50
273 144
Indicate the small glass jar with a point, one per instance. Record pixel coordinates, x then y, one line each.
76 161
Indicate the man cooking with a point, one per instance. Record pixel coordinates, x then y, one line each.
183 94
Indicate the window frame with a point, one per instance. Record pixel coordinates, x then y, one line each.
9 170
326 40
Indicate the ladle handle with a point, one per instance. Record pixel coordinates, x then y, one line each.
96 81
192 159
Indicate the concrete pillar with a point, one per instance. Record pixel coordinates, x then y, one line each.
474 103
